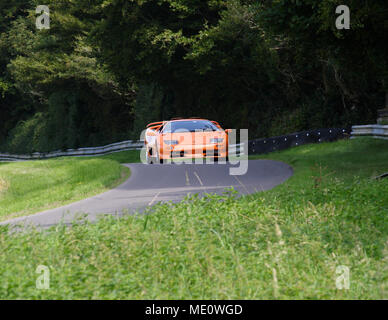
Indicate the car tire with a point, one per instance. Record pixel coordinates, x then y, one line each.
157 158
148 158
223 159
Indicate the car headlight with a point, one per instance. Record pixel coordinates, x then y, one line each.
171 142
216 140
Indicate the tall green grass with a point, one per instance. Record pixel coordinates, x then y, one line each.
285 243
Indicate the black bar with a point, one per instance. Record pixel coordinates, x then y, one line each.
266 145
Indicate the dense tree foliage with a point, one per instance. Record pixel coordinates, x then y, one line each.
107 67
56 94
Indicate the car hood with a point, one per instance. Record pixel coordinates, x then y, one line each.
194 138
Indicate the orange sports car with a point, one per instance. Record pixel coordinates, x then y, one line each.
185 138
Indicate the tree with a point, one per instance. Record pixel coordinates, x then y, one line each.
77 101
352 63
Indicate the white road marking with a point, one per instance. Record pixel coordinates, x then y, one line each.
239 181
199 179
261 187
154 198
187 179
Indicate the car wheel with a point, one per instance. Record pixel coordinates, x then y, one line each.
157 158
222 160
148 157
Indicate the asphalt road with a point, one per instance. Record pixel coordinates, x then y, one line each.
150 184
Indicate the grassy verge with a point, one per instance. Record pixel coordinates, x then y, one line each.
29 187
283 243
130 156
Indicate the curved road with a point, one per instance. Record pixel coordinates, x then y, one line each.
150 184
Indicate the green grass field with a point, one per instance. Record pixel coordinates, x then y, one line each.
29 187
285 243
130 156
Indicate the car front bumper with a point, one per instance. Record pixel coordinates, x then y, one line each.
194 151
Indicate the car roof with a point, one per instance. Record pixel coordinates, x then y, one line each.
163 123
187 119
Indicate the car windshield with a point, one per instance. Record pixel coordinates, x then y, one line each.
189 126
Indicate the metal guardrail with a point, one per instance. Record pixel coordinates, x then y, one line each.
256 146
373 130
91 151
236 148
81 152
